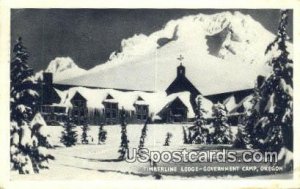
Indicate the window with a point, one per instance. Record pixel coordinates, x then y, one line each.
82 112
114 106
145 108
107 114
58 109
114 114
142 112
46 109
62 110
78 103
75 112
111 110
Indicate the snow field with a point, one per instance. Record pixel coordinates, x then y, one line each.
93 161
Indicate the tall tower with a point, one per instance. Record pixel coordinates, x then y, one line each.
180 68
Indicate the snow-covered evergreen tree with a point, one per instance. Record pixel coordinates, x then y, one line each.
144 134
222 133
167 140
274 131
186 139
245 137
69 134
29 142
102 135
277 95
84 136
123 150
268 125
200 135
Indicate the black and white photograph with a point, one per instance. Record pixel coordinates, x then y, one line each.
151 94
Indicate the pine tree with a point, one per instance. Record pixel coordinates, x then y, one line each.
123 150
102 135
222 133
245 136
185 136
273 131
28 144
69 135
201 133
144 134
167 140
84 137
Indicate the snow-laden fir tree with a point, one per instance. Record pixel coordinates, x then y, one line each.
222 133
69 134
123 150
144 134
245 137
168 138
29 141
102 135
273 131
84 136
200 134
186 139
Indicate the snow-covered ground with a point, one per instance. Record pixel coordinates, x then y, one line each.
93 161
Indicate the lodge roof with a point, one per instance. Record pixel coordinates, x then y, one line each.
96 97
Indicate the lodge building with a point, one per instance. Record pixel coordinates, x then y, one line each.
98 105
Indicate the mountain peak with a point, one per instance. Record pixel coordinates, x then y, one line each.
62 68
226 49
61 64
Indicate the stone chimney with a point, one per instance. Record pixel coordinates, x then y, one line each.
47 78
47 88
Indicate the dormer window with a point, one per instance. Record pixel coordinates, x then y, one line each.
78 103
111 109
141 108
142 112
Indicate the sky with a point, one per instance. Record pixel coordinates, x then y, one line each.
89 36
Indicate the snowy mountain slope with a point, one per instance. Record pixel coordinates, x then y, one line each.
62 68
222 52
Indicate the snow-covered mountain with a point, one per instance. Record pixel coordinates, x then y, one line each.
62 68
222 52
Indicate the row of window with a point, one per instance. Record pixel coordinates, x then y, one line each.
53 109
58 118
111 111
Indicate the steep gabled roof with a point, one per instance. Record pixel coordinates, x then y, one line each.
78 96
181 83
